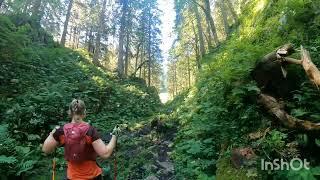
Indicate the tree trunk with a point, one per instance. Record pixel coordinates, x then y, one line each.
36 12
196 48
175 79
25 7
126 60
207 12
137 58
70 34
200 30
124 10
74 37
90 42
232 11
78 38
209 38
189 72
86 36
141 60
149 50
65 26
96 54
144 72
224 17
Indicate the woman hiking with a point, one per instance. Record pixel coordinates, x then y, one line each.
82 144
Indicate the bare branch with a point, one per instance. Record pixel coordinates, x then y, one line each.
292 60
275 108
311 69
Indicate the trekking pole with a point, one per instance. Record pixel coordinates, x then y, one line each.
115 160
115 166
53 168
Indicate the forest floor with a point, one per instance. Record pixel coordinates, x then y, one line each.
143 150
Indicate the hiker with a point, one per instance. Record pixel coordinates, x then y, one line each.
82 144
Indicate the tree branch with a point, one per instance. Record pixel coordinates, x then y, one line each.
139 67
311 69
292 60
275 108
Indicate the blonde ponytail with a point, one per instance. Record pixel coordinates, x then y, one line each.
77 108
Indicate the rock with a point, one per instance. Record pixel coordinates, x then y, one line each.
152 177
152 147
151 167
240 156
158 125
168 166
14 81
155 155
166 143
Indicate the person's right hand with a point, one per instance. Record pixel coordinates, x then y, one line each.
116 131
54 130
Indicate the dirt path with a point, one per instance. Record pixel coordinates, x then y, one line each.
144 152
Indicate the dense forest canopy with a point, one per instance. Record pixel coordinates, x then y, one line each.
111 31
241 75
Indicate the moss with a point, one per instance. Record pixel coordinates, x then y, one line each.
226 171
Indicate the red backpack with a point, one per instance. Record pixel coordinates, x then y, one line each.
76 148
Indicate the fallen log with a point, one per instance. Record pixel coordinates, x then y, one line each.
277 109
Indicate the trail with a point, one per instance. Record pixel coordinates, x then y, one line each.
144 150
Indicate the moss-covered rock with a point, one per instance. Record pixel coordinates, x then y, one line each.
226 171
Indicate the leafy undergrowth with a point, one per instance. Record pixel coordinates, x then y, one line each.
38 80
219 112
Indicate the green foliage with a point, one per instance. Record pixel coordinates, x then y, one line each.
222 106
7 160
302 174
12 38
273 142
16 159
303 105
225 170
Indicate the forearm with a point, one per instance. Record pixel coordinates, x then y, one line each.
111 145
49 144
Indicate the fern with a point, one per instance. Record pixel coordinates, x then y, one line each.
7 159
25 166
3 132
